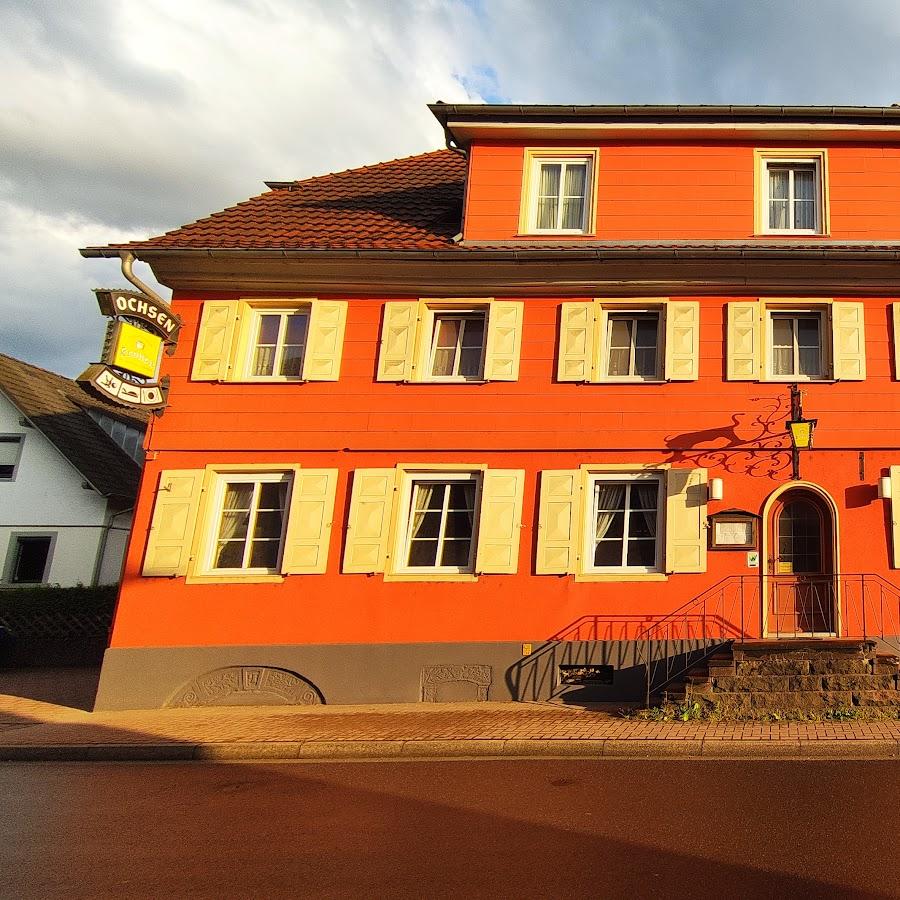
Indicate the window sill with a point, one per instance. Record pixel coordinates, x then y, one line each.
572 234
449 381
788 234
629 379
234 579
436 576
243 379
795 379
624 576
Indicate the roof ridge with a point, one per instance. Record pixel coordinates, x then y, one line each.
371 166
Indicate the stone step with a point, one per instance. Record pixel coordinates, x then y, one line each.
782 683
794 675
825 663
850 646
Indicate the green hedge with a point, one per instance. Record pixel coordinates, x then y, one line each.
56 599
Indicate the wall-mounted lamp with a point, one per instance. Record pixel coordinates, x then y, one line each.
884 487
800 429
716 489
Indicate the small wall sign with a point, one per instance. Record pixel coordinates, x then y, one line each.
140 331
733 529
753 559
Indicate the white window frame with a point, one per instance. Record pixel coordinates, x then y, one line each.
535 159
252 334
12 552
818 159
595 478
13 439
435 315
405 522
214 521
609 314
825 341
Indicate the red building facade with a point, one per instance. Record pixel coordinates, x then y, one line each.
441 427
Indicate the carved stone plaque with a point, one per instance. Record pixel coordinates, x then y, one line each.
455 683
247 685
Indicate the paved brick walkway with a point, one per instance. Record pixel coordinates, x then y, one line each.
30 729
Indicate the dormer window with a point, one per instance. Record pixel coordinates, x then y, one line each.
791 192
559 193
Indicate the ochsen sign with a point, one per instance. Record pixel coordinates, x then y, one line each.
135 305
142 328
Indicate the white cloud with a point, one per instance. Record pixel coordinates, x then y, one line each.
122 118
50 316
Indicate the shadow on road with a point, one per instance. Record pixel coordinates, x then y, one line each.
72 686
435 829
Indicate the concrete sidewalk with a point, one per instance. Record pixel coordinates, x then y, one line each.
32 730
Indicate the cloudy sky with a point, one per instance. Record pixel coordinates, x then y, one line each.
124 118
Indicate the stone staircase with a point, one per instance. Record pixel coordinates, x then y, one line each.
794 676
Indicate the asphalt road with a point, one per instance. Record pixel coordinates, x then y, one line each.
510 828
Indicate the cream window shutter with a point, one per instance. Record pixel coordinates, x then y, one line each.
894 472
559 521
895 309
743 348
504 340
576 342
682 340
500 521
173 523
325 340
686 501
308 532
848 332
398 340
215 339
368 528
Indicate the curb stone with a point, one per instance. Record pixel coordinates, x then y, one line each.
454 749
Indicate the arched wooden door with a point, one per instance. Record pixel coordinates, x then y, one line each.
801 584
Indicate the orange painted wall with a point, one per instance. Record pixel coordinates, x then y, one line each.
680 190
532 424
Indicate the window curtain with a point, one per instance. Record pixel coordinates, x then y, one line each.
573 202
234 525
425 494
643 503
778 198
804 199
548 196
610 500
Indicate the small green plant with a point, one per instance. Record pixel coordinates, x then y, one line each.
689 711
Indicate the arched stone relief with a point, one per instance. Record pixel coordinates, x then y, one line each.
436 679
247 685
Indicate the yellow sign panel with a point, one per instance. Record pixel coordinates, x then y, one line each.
136 350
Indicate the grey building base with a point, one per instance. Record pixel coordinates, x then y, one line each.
155 677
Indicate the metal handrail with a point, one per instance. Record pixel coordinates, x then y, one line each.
848 610
666 646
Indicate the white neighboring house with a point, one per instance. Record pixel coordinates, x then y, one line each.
69 471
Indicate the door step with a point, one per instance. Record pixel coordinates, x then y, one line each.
794 675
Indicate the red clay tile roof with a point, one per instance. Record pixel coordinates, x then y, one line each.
57 407
413 203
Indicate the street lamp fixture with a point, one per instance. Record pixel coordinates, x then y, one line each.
800 429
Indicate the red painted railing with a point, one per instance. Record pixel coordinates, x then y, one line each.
863 606
665 646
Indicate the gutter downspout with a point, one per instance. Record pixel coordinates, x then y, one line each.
128 260
104 539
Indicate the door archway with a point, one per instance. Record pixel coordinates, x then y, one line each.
800 564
